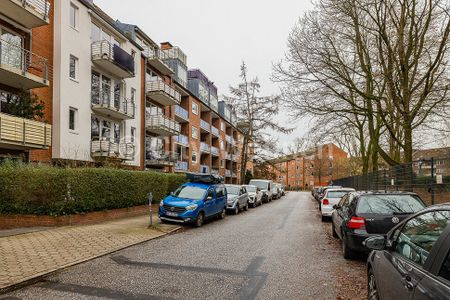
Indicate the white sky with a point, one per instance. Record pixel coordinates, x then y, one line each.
218 35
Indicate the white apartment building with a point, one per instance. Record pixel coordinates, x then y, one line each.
97 87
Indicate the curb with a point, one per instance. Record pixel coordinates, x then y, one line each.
38 276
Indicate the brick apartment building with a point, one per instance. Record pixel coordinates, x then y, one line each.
307 169
112 95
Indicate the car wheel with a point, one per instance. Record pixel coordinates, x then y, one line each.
346 251
222 214
254 205
372 292
199 220
236 210
320 206
333 230
324 218
246 207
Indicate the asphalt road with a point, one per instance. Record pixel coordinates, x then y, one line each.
277 251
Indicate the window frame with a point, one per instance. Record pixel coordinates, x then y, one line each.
73 58
194 129
194 154
75 117
194 111
75 10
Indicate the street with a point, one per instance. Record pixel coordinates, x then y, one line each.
280 250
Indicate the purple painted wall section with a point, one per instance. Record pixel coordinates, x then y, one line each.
197 74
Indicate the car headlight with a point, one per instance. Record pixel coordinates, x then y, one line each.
161 203
191 207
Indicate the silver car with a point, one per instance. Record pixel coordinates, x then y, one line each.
254 195
237 198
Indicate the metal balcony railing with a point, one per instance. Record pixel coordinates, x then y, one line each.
35 12
166 90
176 53
23 132
181 112
205 147
227 173
162 123
106 51
112 102
182 140
24 63
153 53
181 166
40 6
161 158
215 171
112 149
215 151
205 125
214 131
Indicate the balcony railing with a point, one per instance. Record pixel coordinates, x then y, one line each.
111 149
163 93
162 125
233 157
205 148
24 133
215 151
227 156
112 104
233 174
30 13
215 171
176 53
181 113
228 138
205 125
215 131
22 69
227 173
182 140
156 58
182 166
113 58
161 158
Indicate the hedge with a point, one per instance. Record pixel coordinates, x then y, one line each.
45 190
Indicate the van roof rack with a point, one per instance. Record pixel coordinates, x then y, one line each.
204 178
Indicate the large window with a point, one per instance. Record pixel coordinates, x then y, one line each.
105 130
104 90
11 48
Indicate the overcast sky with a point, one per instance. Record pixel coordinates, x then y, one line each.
217 35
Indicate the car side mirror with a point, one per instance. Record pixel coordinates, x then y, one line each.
375 243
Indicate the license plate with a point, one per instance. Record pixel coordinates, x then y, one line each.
171 214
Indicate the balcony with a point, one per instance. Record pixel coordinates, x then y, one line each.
156 58
176 53
215 171
163 93
204 148
182 140
111 149
161 158
215 131
29 13
181 115
228 138
181 166
161 125
113 59
112 105
227 173
20 133
233 157
205 126
22 69
215 151
227 156
233 174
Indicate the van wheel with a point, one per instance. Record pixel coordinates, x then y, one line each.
246 207
222 214
236 210
200 219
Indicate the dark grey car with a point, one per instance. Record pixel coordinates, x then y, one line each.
413 260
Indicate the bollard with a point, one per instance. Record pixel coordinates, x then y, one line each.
150 200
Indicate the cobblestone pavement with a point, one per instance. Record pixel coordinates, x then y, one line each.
26 256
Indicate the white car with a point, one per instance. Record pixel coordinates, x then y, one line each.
330 199
254 195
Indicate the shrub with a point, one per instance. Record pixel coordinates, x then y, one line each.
45 190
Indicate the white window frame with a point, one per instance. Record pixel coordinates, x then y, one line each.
194 108
194 132
75 119
76 67
194 154
75 10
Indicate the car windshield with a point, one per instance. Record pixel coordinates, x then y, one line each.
190 192
250 188
233 189
389 204
261 184
337 194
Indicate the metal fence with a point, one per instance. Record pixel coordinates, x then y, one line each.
430 178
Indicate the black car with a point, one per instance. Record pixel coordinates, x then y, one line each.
360 215
413 261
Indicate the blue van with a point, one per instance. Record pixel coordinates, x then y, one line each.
204 197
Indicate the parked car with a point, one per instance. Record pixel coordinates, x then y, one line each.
315 192
330 199
360 215
280 190
283 192
254 195
266 187
237 198
324 189
413 260
276 193
204 197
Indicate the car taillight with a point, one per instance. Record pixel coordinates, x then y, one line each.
356 223
325 202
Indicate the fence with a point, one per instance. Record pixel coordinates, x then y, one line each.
429 178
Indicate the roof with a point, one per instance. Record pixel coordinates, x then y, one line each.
429 153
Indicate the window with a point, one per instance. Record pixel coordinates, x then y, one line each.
221 144
194 157
222 126
73 16
416 239
133 134
194 132
73 118
194 108
133 95
222 163
220 192
73 67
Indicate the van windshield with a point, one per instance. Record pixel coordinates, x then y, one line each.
261 184
190 192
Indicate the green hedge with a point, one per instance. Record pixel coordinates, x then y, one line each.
44 190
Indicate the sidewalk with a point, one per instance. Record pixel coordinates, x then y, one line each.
30 255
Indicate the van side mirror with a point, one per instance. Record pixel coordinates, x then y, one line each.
375 243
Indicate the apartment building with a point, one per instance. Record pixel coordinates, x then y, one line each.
25 75
307 169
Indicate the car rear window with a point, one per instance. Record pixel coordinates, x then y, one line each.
337 194
389 204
